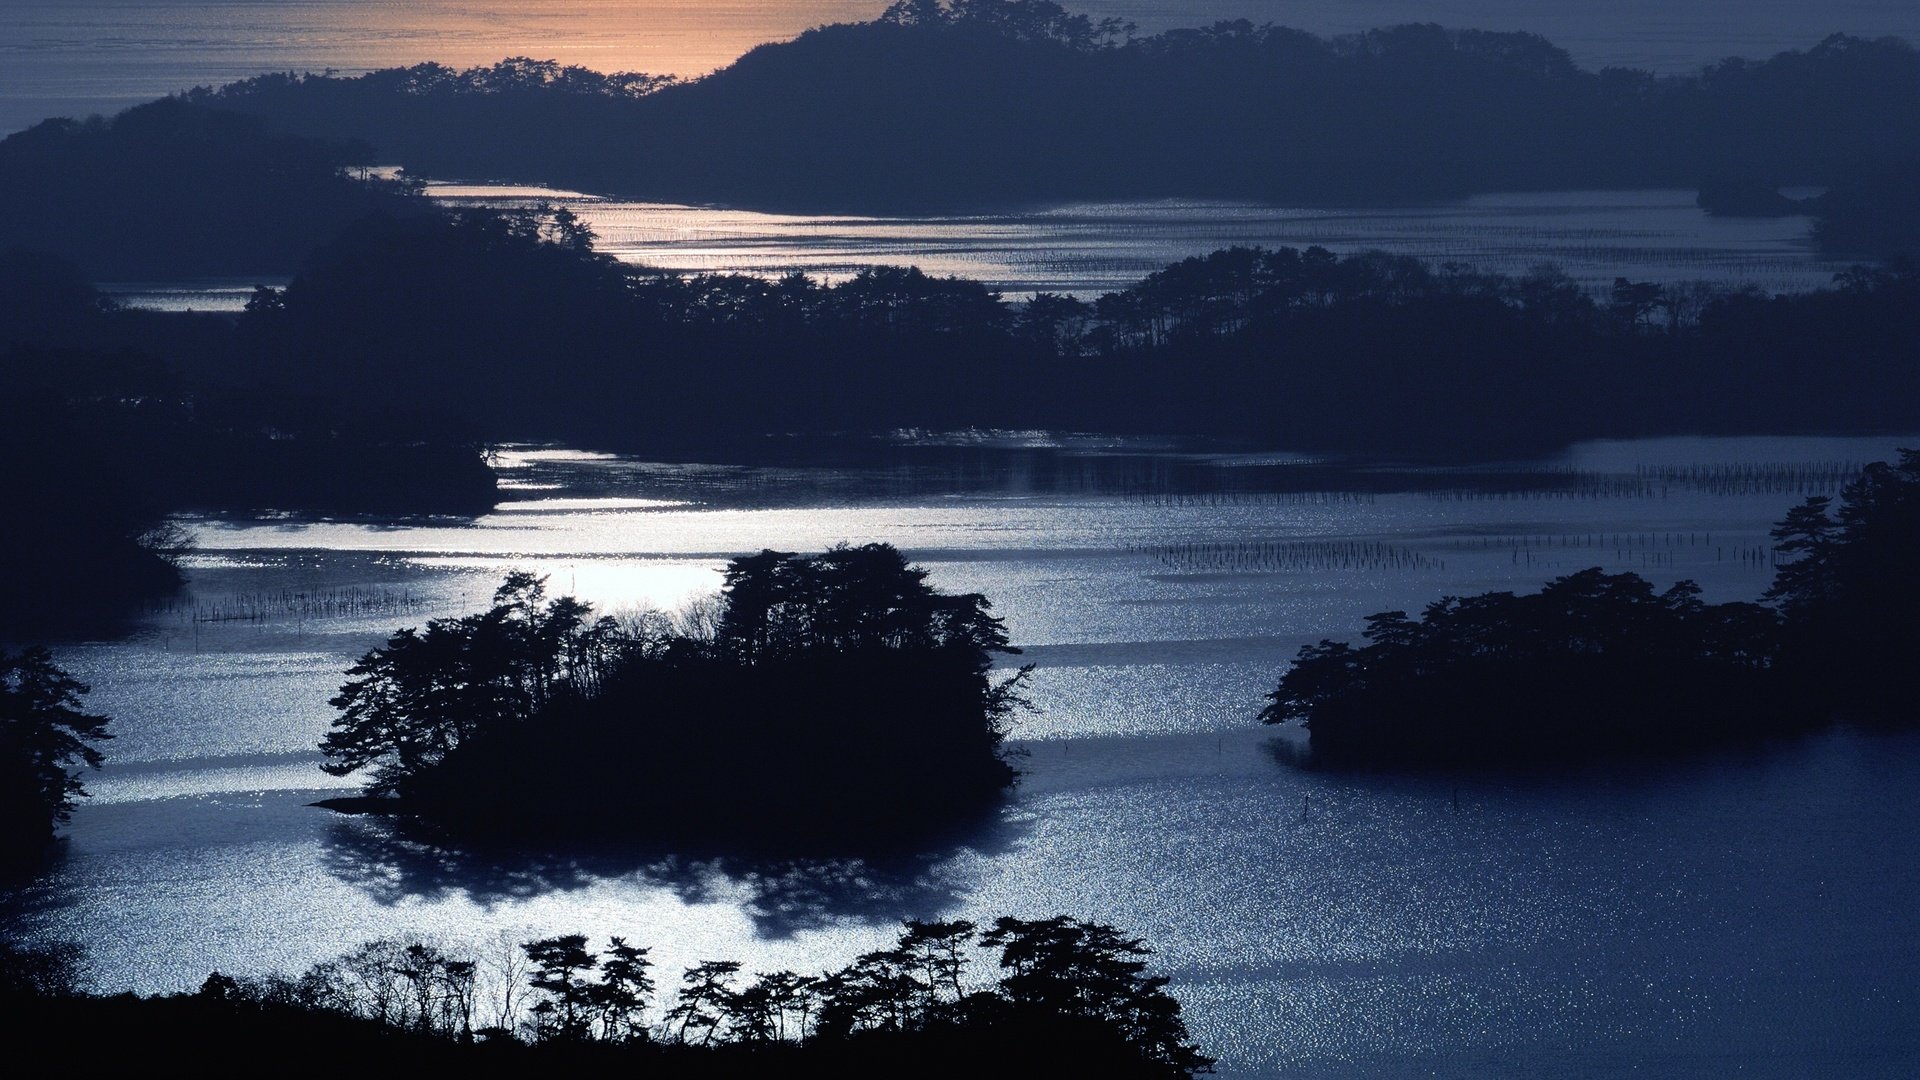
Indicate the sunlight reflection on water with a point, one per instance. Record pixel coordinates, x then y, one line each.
1087 249
1342 926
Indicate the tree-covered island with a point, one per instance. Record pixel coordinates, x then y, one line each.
827 700
1595 664
1605 665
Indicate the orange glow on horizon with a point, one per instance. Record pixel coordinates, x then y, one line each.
662 37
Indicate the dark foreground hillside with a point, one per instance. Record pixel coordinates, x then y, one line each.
222 1039
1068 996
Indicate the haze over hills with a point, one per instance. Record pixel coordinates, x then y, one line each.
85 56
981 106
1026 104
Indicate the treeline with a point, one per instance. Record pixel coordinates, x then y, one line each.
516 324
510 322
1069 995
1593 665
44 733
981 102
1871 209
832 702
1599 665
168 190
116 425
1848 590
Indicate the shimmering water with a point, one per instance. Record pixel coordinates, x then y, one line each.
1088 249
75 57
1748 913
203 294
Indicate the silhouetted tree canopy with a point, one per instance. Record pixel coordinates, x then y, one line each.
1072 998
515 330
44 736
410 704
1084 971
1872 210
837 699
1848 589
1599 664
533 339
1593 665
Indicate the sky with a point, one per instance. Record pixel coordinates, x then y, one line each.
73 57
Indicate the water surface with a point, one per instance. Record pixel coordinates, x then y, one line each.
1087 249
1746 912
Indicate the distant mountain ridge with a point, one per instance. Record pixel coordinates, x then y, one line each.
982 103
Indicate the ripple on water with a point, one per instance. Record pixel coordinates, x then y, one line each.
1680 920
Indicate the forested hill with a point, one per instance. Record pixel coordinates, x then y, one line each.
530 335
980 102
166 190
